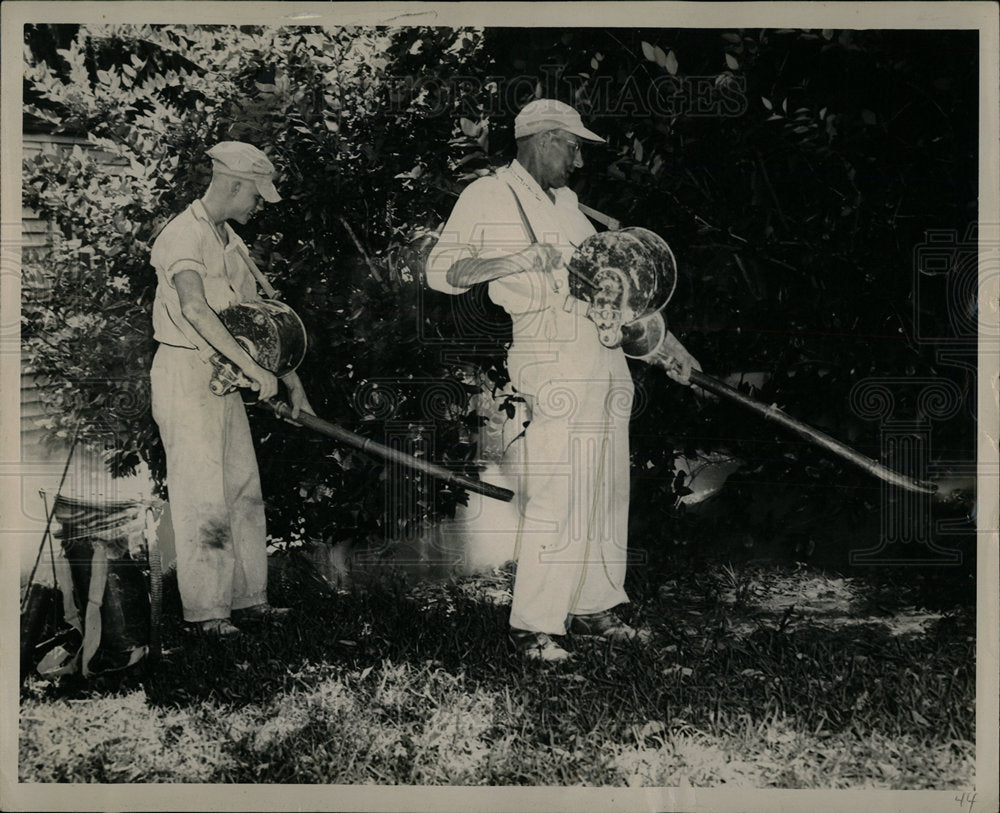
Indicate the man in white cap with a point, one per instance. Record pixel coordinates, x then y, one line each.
516 230
202 267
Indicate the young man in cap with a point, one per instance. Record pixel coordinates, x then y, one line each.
203 267
516 231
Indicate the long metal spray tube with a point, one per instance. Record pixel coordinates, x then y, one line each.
772 413
370 446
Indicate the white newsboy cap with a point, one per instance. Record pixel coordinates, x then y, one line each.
242 160
547 114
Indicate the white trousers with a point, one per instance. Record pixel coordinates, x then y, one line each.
572 473
214 488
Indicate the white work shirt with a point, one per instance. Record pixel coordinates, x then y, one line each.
552 338
191 242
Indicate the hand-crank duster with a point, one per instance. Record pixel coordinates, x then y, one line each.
274 336
627 276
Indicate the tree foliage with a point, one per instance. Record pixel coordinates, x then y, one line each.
794 173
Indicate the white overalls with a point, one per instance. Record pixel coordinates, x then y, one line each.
572 464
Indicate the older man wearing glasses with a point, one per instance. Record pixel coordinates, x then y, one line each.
516 231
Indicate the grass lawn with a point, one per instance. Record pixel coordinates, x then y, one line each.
758 675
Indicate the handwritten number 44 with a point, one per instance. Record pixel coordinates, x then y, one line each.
966 799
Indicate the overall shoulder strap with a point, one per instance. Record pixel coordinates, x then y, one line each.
612 223
257 273
605 220
524 215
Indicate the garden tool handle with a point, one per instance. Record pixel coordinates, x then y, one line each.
369 446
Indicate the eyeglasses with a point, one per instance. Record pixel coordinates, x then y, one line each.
573 145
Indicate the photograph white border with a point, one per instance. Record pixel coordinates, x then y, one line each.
890 15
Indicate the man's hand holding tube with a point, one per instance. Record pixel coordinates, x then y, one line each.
668 353
297 395
262 381
676 360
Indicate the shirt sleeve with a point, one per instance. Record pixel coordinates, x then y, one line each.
531 291
484 224
487 223
177 248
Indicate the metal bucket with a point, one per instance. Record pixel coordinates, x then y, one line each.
625 275
270 332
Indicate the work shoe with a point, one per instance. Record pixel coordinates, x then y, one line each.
606 624
538 646
217 628
261 612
